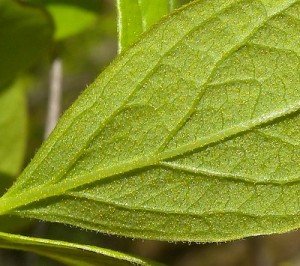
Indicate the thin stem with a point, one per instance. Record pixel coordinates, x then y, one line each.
55 91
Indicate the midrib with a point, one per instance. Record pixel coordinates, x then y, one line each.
10 202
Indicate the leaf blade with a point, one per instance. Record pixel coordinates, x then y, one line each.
69 253
137 16
13 125
193 120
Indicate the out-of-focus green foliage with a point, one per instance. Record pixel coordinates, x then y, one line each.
13 127
25 34
136 16
13 138
70 16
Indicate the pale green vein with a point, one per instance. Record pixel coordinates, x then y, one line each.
278 137
164 212
205 85
134 90
222 175
226 133
122 104
105 121
274 48
209 173
43 191
234 81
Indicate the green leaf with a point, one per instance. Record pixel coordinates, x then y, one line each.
7 222
136 16
25 34
70 20
192 134
70 16
70 253
13 138
13 128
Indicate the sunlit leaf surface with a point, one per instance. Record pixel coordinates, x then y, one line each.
192 134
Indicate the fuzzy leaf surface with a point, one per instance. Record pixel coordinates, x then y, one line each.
191 134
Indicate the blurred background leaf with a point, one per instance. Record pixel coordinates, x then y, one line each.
137 16
13 139
25 34
13 125
70 16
